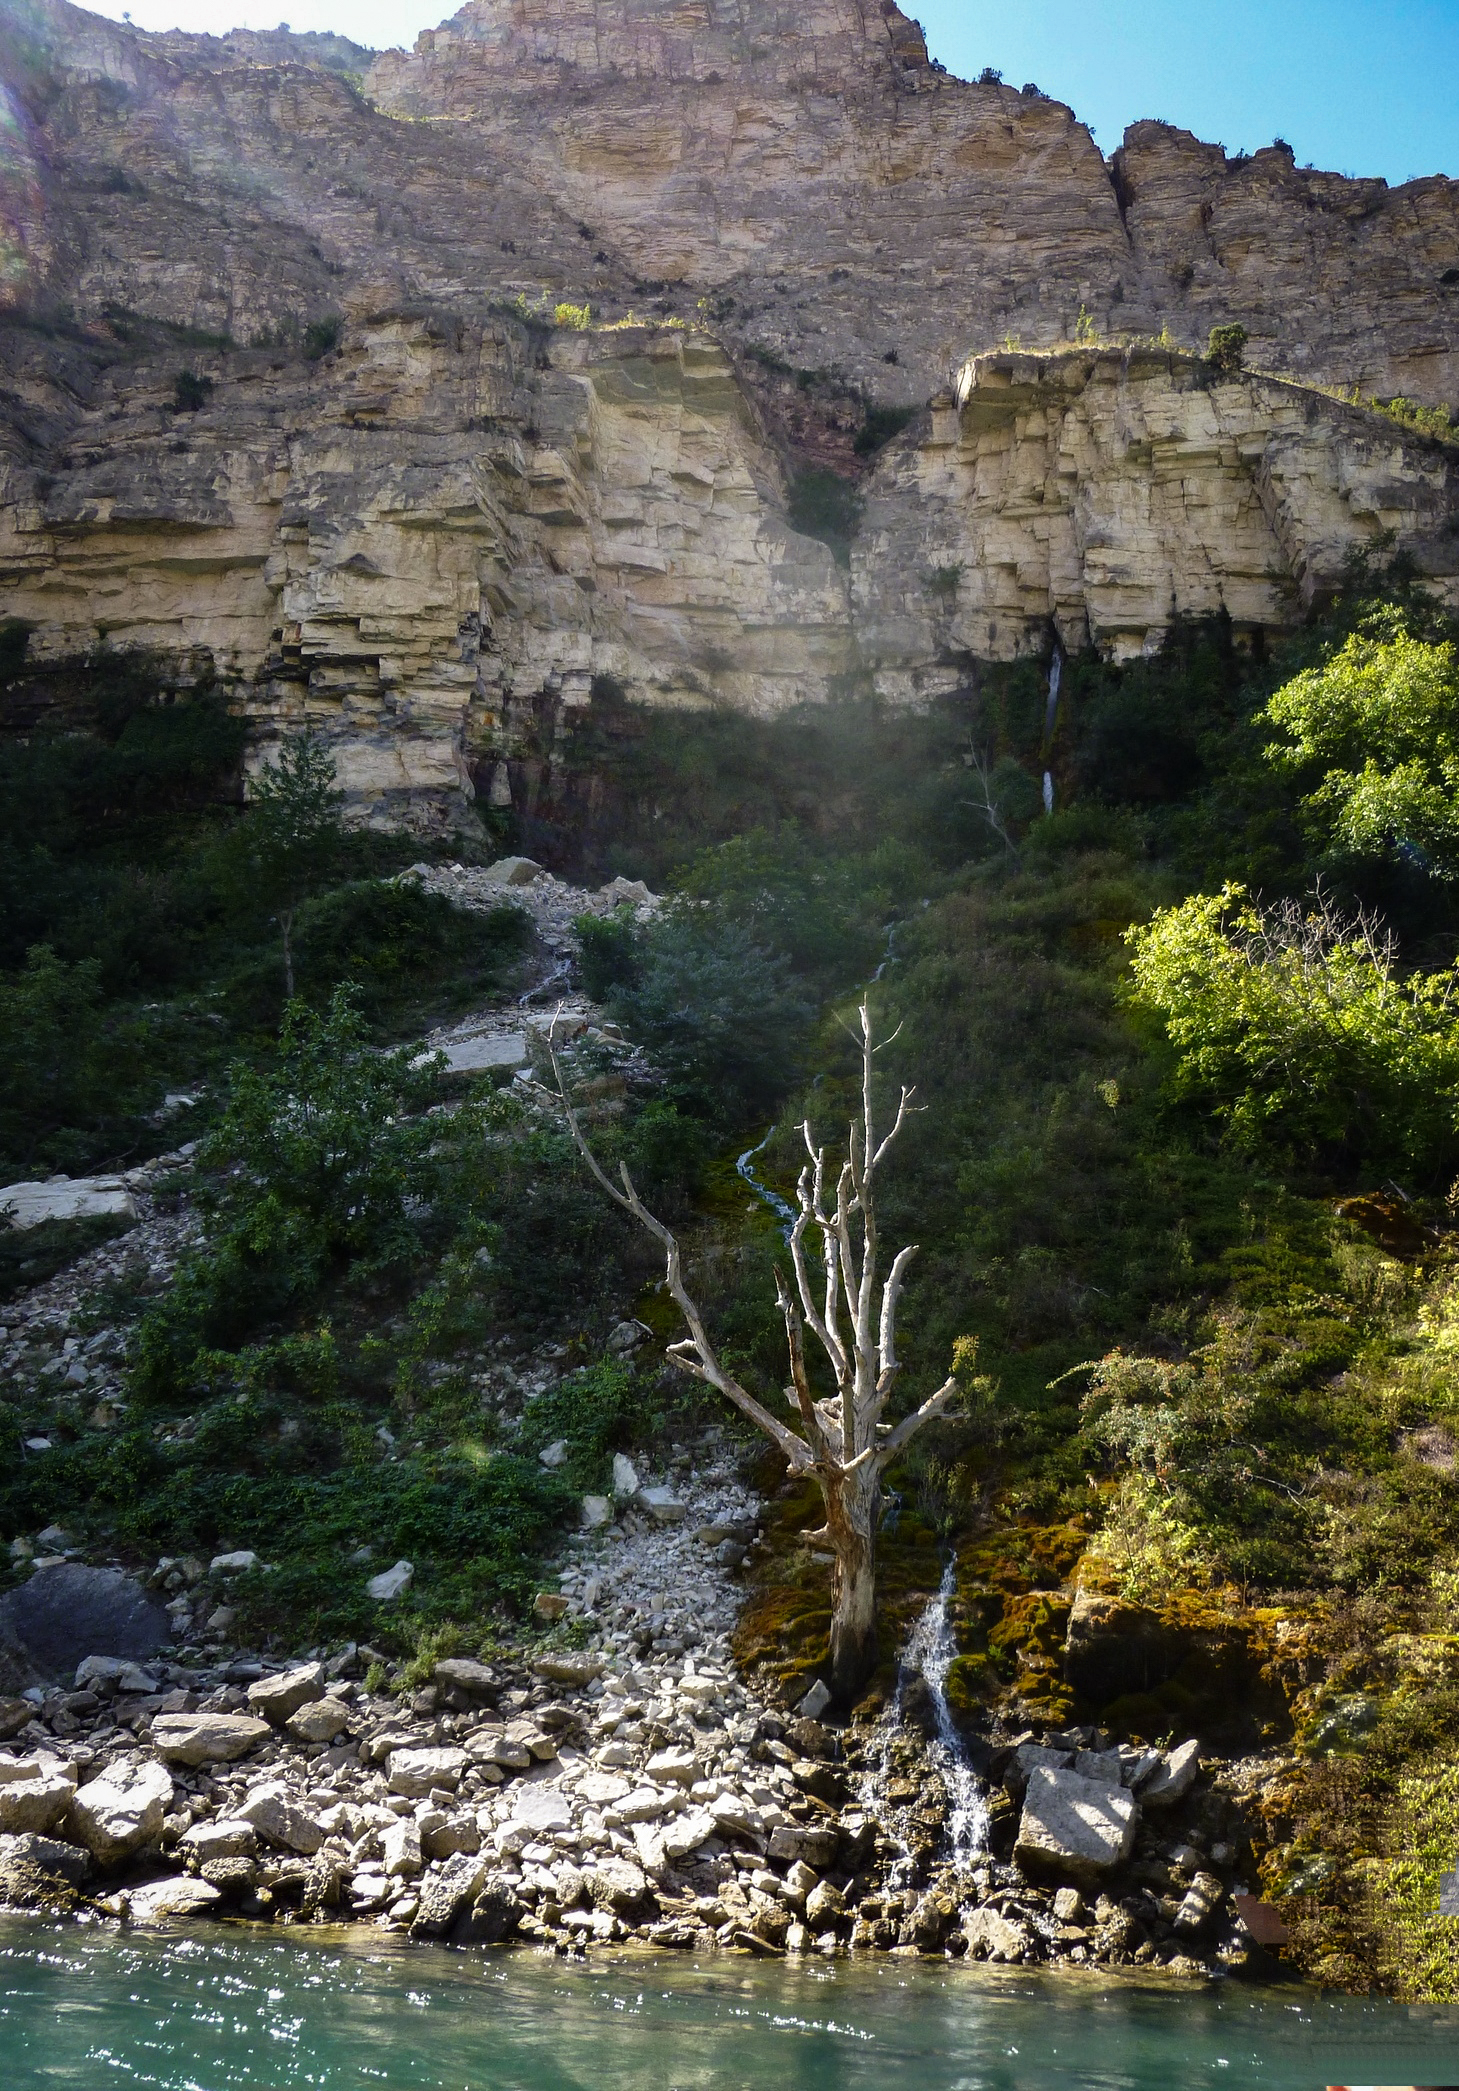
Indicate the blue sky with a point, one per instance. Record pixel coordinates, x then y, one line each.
1358 86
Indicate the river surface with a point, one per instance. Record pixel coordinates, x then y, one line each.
240 2010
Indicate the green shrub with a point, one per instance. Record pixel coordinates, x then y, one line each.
322 335
608 952
599 1411
879 427
393 943
1378 724
190 392
318 1170
71 1079
720 1011
1292 1023
1226 349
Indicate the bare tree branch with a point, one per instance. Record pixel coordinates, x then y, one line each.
845 1444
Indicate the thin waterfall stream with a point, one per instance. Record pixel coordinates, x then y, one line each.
928 1654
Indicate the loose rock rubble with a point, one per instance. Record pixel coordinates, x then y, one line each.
49 1346
633 1788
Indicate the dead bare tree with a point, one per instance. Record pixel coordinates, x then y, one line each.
843 1441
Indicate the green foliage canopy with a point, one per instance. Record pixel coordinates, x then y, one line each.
317 1166
1291 1020
1380 721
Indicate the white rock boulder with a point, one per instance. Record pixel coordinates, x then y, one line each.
391 1583
1174 1777
225 1837
35 1804
280 1821
275 1698
117 1814
320 1721
1075 1828
413 1772
206 1738
162 1900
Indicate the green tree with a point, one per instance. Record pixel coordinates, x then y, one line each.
1293 1022
719 1009
1380 722
291 838
319 1166
57 1068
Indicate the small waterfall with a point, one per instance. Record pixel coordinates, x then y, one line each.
928 1653
776 1203
1051 716
1051 710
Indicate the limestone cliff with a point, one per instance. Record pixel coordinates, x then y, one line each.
415 509
1098 494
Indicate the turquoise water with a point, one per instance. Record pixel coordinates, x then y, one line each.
241 2011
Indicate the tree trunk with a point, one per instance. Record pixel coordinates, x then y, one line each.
286 924
851 1518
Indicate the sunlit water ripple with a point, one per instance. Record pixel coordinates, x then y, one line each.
236 2010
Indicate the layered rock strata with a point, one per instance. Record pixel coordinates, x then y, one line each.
1098 495
434 538
844 203
434 526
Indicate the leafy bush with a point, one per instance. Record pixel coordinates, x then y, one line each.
392 943
879 427
1438 422
599 1410
322 335
719 1009
608 952
1379 722
1226 349
318 1170
69 1079
474 1528
578 317
190 392
1292 1023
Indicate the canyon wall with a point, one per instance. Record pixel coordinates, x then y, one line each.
426 510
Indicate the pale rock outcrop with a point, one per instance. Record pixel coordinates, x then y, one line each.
206 1738
1098 494
36 1803
275 1698
180 1897
1082 1829
278 1820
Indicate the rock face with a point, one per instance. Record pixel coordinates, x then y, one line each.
1096 494
443 525
67 1612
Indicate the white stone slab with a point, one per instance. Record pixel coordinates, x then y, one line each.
67 1198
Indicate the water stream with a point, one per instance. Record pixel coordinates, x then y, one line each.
783 1212
928 1654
